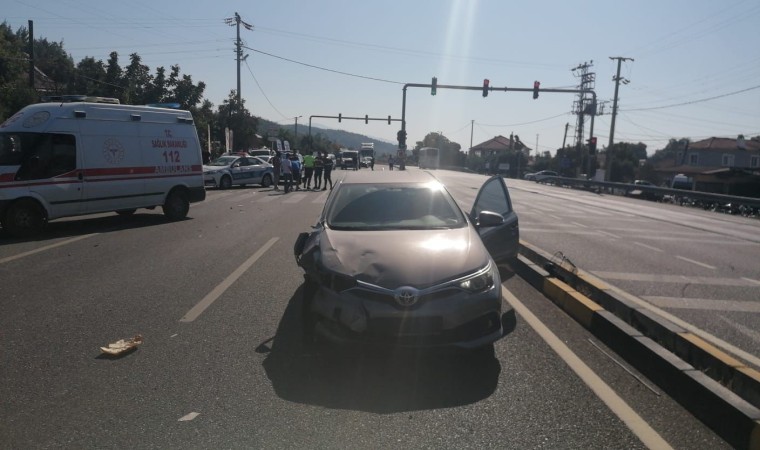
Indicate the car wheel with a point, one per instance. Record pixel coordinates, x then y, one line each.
225 182
266 181
24 218
126 212
177 205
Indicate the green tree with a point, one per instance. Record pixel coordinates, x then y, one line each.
137 79
113 86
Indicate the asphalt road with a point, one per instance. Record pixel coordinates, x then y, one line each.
216 299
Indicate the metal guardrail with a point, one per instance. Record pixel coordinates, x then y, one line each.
694 195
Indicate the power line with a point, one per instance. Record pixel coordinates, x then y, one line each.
523 123
262 91
696 101
323 68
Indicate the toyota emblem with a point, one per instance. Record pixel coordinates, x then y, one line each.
406 296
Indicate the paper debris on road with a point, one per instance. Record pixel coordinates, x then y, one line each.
122 345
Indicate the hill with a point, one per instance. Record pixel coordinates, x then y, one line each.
339 137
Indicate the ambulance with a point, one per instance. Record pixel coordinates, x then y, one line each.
67 159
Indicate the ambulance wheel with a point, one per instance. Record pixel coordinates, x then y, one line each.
24 218
225 182
126 212
177 205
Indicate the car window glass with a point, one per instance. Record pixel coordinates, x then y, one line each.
493 197
393 207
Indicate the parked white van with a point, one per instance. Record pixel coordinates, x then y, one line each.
69 159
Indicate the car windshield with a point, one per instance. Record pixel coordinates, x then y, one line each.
392 207
224 161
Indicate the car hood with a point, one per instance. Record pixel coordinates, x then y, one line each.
393 258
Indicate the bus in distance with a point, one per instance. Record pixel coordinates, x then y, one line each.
429 158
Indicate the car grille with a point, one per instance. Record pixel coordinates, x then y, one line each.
389 299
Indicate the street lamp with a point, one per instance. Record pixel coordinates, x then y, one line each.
296 118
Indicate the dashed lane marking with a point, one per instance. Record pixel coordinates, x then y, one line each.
45 248
706 266
704 304
217 292
649 247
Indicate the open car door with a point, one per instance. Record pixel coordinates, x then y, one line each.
501 238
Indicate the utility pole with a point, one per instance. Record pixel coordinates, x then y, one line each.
617 79
472 127
564 139
31 54
236 22
583 106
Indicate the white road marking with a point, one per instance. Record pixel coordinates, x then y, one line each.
198 309
654 249
294 198
322 197
662 278
617 405
47 247
746 356
557 218
189 417
265 198
749 332
751 280
704 304
579 225
614 236
707 266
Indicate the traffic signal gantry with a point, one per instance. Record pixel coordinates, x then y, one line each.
366 119
486 88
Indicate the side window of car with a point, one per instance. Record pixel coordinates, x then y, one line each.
493 197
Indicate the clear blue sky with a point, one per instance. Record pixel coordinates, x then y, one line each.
684 51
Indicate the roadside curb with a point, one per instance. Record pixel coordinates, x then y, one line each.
715 387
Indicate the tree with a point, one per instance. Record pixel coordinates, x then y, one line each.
138 81
235 117
113 86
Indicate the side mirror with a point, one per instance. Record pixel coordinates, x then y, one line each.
489 219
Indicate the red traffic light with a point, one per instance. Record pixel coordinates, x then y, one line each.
536 85
485 87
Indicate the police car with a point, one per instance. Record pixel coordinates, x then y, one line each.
237 169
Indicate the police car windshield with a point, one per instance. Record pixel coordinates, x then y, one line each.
224 161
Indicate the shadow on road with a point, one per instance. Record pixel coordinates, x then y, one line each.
372 380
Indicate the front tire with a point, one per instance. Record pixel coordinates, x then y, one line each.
266 181
177 205
24 218
225 182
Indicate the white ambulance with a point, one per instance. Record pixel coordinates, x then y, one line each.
67 159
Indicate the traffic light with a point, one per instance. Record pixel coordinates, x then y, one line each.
389 120
434 85
592 146
401 136
366 118
485 87
536 85
340 117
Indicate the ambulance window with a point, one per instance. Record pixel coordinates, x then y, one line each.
10 150
46 155
64 158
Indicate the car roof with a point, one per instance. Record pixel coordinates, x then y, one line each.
389 177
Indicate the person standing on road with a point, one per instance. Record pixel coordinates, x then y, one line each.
372 162
276 169
390 162
308 170
319 165
295 164
328 167
287 172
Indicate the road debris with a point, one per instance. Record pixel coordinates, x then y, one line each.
122 346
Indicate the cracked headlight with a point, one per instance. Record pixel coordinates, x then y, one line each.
480 281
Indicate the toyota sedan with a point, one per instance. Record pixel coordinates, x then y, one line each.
393 260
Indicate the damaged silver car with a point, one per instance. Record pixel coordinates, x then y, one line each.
393 260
